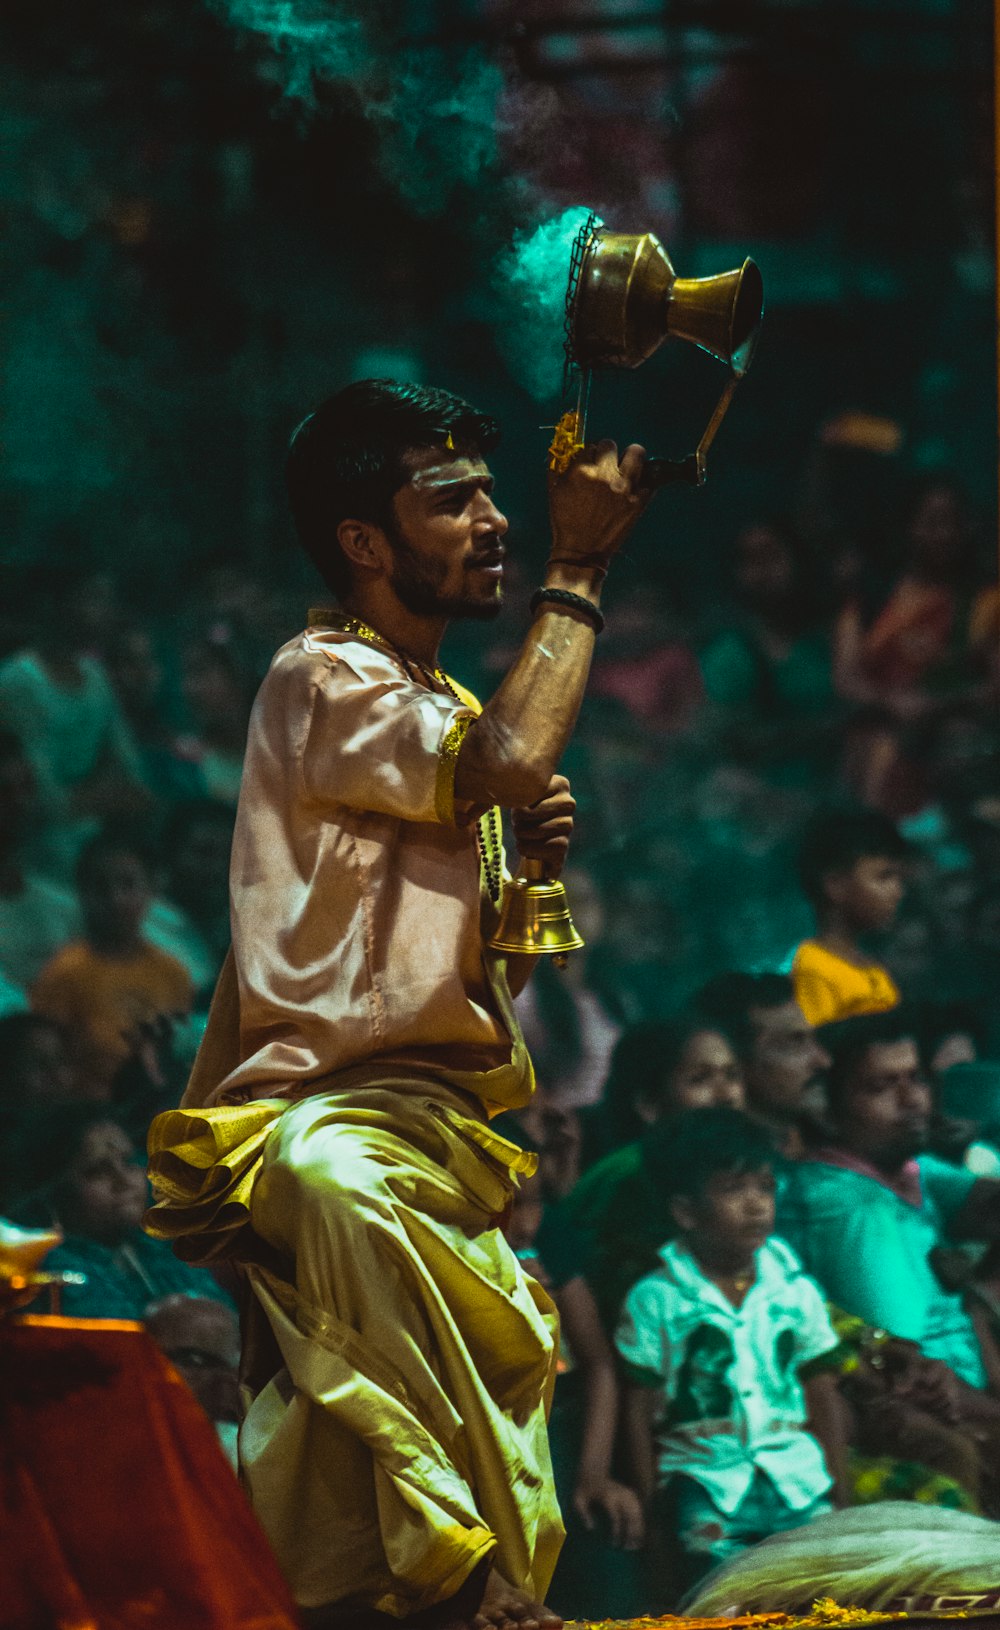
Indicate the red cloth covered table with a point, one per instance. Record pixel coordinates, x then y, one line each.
118 1510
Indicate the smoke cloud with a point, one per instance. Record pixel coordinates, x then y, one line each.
439 112
446 119
531 281
311 41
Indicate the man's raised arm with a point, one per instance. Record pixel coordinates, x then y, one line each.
511 752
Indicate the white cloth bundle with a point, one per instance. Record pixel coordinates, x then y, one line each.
862 1557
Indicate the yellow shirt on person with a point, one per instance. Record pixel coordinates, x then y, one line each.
828 988
104 1000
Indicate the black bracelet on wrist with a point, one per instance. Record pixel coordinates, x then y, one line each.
575 602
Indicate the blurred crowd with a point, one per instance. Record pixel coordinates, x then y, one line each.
768 1121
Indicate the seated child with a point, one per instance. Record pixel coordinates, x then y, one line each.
851 871
107 987
729 1352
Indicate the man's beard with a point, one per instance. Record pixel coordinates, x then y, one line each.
417 584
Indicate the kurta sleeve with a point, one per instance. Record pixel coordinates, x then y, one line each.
378 742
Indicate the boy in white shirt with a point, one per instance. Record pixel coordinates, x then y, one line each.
733 1416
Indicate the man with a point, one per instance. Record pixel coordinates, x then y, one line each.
782 1058
864 1212
109 985
362 1033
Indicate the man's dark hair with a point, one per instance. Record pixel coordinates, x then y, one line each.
729 999
836 840
680 1156
848 1041
348 459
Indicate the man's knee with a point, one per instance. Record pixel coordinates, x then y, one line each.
326 1176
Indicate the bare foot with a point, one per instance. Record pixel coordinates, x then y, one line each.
504 1607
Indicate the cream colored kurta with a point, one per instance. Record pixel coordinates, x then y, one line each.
357 929
334 1139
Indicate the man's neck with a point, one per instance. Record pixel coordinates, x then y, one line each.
888 1166
412 634
784 1129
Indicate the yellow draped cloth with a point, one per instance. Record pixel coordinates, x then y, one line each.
395 1433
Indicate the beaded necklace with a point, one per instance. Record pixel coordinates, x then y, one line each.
488 828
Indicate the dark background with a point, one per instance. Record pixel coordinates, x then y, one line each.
194 256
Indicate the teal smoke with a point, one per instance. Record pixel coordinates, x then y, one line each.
438 112
445 119
530 285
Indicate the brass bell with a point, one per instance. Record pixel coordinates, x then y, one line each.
628 299
534 916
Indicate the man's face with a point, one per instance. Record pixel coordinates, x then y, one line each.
869 892
764 567
202 1339
447 538
199 870
785 1059
885 1111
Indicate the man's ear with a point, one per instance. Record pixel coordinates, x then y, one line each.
365 545
682 1212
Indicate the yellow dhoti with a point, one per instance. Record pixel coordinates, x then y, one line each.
402 1440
